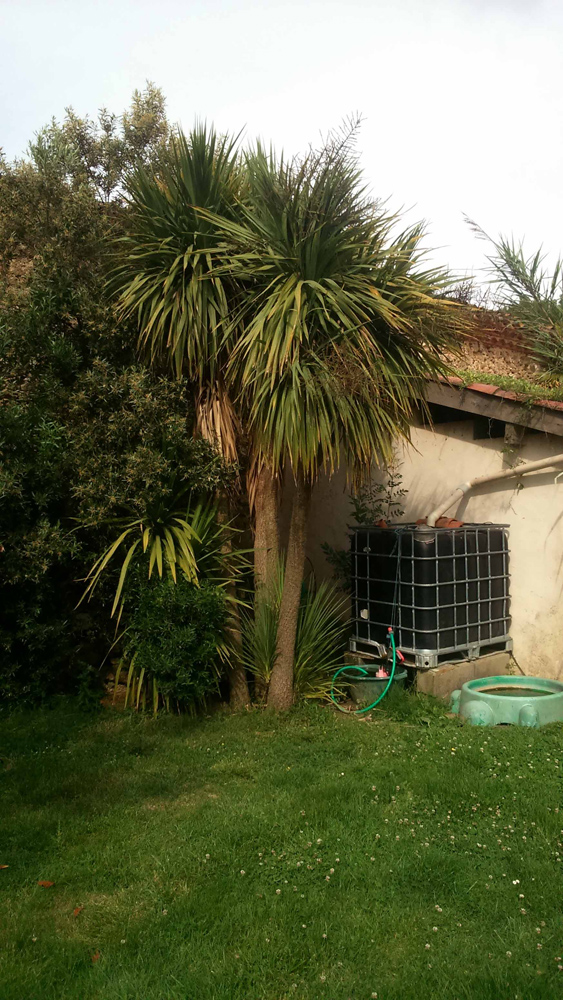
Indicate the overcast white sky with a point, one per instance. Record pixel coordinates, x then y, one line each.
462 99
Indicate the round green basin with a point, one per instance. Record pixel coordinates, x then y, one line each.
366 688
517 701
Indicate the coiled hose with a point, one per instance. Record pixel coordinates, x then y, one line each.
360 711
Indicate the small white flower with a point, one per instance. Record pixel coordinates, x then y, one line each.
303 926
538 946
324 936
516 881
122 940
278 892
208 856
438 909
509 954
319 841
434 929
427 946
242 871
327 878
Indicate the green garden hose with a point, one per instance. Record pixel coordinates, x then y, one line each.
360 711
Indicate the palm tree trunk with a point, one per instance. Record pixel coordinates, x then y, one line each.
239 695
266 537
280 695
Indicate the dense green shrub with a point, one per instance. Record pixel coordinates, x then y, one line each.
86 433
173 638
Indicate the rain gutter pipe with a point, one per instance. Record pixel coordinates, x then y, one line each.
463 488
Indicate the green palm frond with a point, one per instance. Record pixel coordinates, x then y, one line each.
219 560
166 541
170 540
320 641
320 636
530 295
166 276
344 322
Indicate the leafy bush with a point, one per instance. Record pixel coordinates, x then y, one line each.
87 435
172 643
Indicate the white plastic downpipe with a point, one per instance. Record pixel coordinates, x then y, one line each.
460 491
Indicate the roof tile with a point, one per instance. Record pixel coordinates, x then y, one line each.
483 387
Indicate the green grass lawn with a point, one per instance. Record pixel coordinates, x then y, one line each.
263 858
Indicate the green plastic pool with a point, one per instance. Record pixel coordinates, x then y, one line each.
517 701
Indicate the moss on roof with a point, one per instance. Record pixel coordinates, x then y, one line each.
534 391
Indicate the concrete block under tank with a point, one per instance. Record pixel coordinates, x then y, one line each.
517 701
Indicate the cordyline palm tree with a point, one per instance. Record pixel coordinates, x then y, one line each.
167 282
342 328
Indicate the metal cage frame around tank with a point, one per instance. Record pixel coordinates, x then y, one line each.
455 599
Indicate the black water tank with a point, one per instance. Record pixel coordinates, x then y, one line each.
444 590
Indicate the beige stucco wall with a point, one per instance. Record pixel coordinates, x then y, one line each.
432 467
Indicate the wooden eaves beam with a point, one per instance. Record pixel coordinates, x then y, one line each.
524 414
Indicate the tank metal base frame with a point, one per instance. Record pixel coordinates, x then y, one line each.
427 659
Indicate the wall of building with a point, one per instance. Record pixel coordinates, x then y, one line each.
436 462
